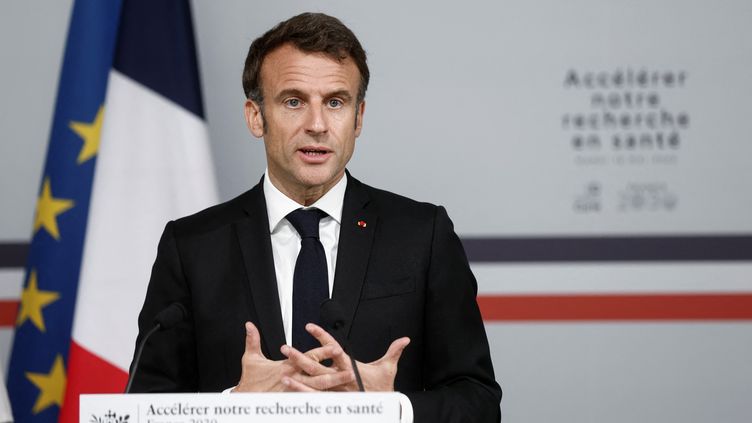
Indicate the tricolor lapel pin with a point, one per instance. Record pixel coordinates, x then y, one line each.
362 223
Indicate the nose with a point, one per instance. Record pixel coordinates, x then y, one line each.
316 122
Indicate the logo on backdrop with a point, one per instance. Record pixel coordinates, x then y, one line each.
626 116
589 200
646 197
634 197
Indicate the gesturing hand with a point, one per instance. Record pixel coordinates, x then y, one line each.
260 374
377 375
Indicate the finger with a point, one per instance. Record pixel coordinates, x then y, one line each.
395 350
341 360
324 352
326 381
310 361
295 386
317 354
252 340
321 335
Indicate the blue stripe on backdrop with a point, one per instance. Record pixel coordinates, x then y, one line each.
564 249
610 248
13 254
36 375
155 49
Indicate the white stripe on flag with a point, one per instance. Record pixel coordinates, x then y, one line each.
154 165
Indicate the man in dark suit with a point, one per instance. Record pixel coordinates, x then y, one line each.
394 267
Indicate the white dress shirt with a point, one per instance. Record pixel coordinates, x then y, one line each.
286 241
286 246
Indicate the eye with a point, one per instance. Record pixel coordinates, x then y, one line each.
293 103
334 103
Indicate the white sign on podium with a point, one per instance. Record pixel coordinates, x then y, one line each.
362 407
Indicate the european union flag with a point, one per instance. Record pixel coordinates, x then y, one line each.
37 373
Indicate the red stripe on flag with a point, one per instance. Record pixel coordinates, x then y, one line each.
88 374
732 306
8 312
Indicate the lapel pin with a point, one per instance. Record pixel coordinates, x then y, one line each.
362 223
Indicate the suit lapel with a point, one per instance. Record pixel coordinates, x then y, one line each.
256 247
356 235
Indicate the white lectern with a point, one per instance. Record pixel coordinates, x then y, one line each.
361 407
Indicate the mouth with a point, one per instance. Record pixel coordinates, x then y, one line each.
314 155
314 151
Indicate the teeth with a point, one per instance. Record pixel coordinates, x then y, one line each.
314 152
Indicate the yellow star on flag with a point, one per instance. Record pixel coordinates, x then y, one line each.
32 302
48 208
51 386
89 132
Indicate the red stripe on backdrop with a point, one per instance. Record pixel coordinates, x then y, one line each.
581 307
88 374
8 312
566 307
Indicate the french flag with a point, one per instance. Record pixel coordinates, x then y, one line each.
154 165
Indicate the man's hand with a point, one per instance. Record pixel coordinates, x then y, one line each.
377 375
260 374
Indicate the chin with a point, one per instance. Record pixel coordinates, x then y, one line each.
318 177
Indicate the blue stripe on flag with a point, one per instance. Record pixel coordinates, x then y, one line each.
36 373
156 48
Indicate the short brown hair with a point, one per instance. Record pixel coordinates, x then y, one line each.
311 33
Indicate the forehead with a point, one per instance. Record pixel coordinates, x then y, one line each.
287 67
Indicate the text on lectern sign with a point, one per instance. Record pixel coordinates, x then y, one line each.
230 408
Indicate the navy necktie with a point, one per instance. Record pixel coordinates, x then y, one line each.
310 285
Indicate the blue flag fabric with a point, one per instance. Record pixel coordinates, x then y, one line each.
37 371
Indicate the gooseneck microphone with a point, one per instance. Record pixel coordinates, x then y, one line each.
165 319
333 320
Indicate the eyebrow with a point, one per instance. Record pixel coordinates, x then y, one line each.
293 92
343 94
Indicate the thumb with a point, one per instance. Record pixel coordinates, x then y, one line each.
394 352
252 340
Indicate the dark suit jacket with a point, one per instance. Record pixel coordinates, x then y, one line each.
404 274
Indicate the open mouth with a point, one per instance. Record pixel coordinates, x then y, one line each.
313 151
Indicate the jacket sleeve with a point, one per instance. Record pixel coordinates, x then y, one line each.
458 374
168 362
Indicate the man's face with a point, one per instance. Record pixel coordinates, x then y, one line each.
312 119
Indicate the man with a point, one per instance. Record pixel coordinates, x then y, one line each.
253 278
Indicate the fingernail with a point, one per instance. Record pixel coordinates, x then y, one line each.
285 381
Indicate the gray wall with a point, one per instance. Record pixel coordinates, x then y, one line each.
465 109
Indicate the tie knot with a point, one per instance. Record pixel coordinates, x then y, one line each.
306 221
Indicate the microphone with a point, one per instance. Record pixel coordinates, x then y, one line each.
333 320
171 316
165 319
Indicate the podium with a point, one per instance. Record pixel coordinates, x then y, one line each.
326 407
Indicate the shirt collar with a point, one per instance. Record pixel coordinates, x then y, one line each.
278 205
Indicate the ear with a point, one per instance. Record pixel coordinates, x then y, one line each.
359 118
254 119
